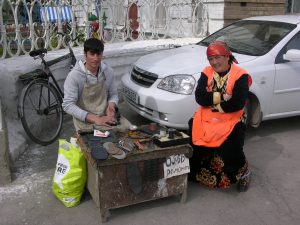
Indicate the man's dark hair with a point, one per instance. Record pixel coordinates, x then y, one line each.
93 45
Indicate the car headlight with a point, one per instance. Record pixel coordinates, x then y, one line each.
181 84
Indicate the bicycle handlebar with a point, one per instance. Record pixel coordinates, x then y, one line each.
41 53
72 40
37 52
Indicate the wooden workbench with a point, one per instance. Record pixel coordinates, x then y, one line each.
109 187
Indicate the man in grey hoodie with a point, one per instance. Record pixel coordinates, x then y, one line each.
90 91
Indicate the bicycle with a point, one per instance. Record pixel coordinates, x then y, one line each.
40 101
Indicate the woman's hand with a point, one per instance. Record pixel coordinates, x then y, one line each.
226 97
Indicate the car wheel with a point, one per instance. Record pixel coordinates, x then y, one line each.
247 112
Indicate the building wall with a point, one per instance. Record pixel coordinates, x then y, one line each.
240 9
215 15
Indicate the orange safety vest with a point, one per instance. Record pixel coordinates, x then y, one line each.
211 129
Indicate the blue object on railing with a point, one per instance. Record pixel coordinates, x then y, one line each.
51 13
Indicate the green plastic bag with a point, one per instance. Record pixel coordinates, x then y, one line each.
70 175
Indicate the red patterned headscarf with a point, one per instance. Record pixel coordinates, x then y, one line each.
219 48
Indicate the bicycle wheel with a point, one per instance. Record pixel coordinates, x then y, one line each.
41 112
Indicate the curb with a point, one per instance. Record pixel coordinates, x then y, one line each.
5 176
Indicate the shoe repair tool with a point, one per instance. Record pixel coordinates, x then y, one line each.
171 132
138 145
146 130
166 141
162 132
126 144
83 132
141 142
149 142
145 140
138 134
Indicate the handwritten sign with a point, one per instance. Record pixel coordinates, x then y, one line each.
176 165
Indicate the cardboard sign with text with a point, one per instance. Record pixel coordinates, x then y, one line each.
176 165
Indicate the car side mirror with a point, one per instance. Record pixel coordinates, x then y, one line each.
292 55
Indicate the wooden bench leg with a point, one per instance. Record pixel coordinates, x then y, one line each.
183 196
104 215
184 193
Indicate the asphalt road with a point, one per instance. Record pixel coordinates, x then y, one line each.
273 199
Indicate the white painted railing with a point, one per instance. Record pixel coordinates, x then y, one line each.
30 24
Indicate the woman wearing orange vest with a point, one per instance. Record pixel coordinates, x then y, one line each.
218 128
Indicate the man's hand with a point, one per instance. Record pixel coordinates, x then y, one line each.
101 120
111 109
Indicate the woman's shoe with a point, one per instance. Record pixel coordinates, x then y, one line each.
244 182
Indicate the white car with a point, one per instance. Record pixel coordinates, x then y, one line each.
161 85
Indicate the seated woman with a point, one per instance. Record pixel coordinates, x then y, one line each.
218 127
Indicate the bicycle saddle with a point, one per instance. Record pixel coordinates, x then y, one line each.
37 52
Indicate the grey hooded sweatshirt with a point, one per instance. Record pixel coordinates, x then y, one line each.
75 81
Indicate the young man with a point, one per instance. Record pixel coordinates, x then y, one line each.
90 92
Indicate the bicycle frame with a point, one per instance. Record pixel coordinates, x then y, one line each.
39 105
47 69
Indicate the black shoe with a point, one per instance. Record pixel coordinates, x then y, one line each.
244 182
99 153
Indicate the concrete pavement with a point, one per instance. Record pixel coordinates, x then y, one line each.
273 154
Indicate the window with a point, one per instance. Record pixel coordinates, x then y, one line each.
251 37
294 43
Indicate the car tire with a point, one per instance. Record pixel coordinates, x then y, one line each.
247 113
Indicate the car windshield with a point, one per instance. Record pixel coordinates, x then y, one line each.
251 37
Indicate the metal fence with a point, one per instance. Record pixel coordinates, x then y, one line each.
30 24
292 6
